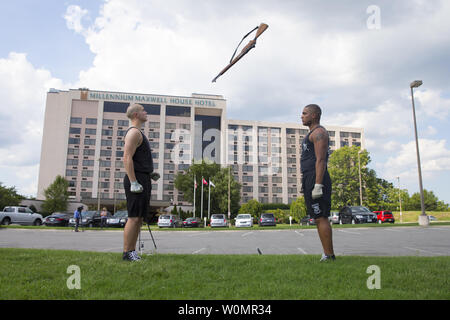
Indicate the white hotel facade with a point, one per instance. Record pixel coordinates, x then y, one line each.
83 141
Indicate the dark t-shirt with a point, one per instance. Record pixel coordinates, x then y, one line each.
142 158
308 157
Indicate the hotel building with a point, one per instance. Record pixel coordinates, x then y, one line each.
83 141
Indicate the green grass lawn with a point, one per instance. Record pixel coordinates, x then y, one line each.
42 274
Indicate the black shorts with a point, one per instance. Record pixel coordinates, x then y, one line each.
319 207
138 204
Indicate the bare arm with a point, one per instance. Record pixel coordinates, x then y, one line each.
320 140
132 141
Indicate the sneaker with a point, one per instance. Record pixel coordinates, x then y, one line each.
131 256
327 258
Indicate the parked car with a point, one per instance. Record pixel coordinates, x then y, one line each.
432 218
192 222
218 220
57 219
384 216
169 221
119 219
267 219
307 221
356 214
244 220
89 219
334 217
20 215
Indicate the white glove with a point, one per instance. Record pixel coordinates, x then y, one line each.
317 191
154 176
136 187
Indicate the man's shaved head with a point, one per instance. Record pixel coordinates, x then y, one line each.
314 108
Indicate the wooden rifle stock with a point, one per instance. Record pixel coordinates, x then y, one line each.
262 27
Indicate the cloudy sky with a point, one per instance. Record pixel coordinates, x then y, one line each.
355 59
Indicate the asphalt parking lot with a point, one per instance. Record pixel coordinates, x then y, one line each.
366 241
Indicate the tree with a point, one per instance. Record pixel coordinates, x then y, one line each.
298 209
344 172
252 207
184 182
430 201
56 196
9 197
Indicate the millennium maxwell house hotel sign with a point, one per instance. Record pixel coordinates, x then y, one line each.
151 99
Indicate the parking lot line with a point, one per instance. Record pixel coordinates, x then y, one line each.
302 251
247 233
351 232
421 250
198 251
299 233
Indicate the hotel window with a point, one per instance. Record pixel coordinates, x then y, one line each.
108 122
105 163
105 174
75 130
71 173
89 131
277 190
107 143
88 163
75 120
89 142
121 133
105 153
154 125
88 152
87 173
247 178
277 180
74 140
106 132
123 123
355 135
119 175
86 184
119 154
247 189
331 133
153 135
171 126
120 143
178 111
73 151
91 121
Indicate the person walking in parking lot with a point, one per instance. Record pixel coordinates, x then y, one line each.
316 181
77 216
104 216
138 163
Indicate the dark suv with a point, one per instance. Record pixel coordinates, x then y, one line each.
356 214
267 219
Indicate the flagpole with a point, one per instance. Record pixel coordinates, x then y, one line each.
201 205
209 199
195 182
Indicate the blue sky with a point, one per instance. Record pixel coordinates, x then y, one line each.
355 64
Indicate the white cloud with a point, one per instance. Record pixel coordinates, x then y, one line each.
434 157
74 16
22 92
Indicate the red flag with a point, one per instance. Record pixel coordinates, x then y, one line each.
205 182
195 184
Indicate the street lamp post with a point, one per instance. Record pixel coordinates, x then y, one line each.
423 218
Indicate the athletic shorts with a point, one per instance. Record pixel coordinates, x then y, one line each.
319 207
138 204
